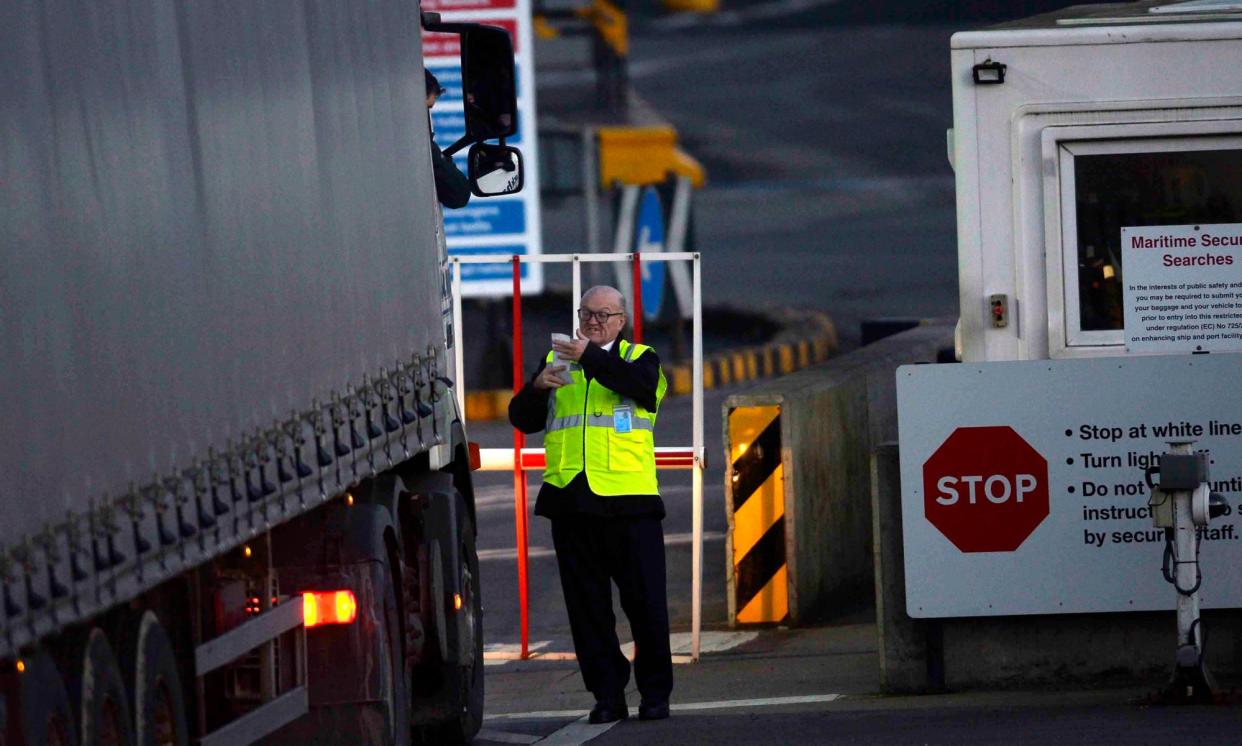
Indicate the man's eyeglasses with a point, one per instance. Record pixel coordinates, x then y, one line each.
599 317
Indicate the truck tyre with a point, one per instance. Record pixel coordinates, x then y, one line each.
398 694
158 696
462 685
47 716
103 704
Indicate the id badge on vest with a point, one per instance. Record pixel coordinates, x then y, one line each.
623 418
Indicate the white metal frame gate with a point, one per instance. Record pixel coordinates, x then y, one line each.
521 460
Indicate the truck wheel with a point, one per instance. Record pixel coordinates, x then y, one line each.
159 700
47 716
102 700
463 684
398 691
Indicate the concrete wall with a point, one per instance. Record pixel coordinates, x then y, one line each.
831 417
929 655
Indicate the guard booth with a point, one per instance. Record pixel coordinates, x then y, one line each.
1098 160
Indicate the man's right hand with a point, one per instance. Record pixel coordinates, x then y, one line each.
549 378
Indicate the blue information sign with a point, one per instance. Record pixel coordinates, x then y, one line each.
649 238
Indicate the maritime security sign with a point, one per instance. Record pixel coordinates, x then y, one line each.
1023 489
1183 287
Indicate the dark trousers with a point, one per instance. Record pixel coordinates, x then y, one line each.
592 553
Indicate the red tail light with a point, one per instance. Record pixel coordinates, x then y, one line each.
476 460
328 607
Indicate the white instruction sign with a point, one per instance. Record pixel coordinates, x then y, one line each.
1023 489
1183 287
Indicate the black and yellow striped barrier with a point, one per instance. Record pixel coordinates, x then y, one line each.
759 581
756 363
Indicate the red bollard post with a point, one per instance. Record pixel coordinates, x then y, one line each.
519 474
638 298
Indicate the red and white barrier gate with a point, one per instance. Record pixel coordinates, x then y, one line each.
522 459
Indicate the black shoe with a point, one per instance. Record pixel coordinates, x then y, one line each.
653 711
604 712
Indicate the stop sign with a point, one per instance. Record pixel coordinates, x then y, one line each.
986 489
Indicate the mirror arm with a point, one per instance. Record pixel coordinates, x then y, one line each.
439 27
463 142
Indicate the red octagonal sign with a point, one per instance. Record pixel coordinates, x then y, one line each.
986 489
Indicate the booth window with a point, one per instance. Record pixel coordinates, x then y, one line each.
1118 184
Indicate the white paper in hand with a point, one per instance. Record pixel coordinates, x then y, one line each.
557 361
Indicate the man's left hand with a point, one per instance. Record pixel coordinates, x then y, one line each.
573 349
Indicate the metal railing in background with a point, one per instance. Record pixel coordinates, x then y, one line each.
521 459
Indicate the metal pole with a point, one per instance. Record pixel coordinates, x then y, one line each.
623 239
590 189
696 555
519 475
577 298
1186 568
638 297
678 226
458 353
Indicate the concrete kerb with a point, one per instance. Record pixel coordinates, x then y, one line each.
804 339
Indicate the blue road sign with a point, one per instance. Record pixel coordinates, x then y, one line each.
648 238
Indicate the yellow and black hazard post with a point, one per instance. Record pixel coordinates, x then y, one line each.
758 584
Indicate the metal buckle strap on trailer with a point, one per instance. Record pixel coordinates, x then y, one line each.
521 459
277 712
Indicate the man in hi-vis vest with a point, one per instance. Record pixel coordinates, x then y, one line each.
597 407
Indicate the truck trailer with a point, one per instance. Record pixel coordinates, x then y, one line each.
236 499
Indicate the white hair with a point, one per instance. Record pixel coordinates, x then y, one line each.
606 288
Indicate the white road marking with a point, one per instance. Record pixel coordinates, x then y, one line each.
741 704
499 736
499 659
727 704
577 732
498 654
510 553
709 642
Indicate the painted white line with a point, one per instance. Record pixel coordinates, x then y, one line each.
537 715
514 647
499 659
498 654
499 736
740 704
577 732
729 704
487 555
510 553
710 642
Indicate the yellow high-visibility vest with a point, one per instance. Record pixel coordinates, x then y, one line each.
582 432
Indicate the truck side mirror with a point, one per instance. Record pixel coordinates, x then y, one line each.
494 170
488 80
488 87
